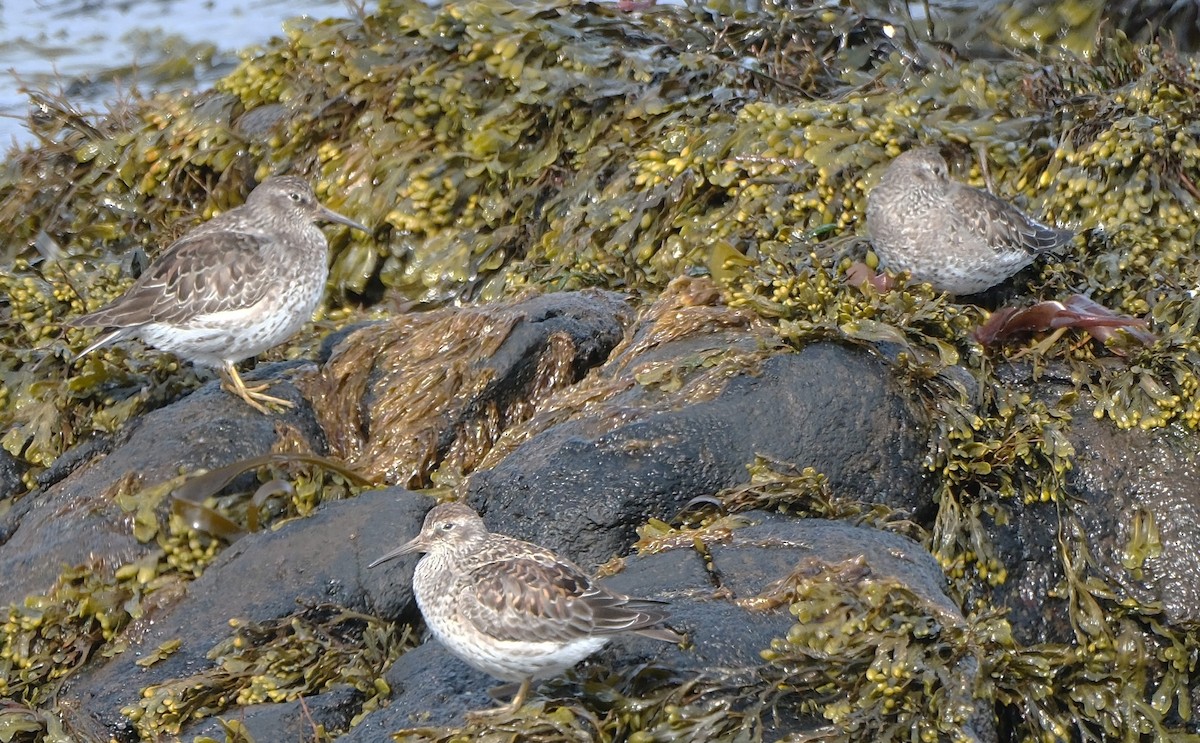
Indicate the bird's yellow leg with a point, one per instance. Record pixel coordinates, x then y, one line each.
231 381
506 709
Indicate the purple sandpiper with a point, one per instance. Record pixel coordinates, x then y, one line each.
231 288
957 238
510 608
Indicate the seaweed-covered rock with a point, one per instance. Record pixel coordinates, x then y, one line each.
724 591
681 411
278 609
501 147
1138 508
429 686
282 610
326 713
1128 521
425 392
84 519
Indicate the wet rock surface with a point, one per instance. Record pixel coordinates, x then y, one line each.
322 559
662 418
432 687
1141 508
1132 504
402 398
10 475
285 721
76 521
265 576
828 407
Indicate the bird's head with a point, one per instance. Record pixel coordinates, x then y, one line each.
925 163
292 195
448 529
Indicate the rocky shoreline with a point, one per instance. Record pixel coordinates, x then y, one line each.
870 525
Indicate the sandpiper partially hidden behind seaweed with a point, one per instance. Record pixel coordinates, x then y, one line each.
958 238
510 608
231 288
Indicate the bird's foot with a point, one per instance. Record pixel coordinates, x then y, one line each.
503 710
486 715
256 399
254 396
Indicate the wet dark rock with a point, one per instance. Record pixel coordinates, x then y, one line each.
287 721
98 444
1123 478
322 559
432 390
264 576
746 565
834 408
1027 543
777 542
76 521
1119 479
11 470
432 687
594 321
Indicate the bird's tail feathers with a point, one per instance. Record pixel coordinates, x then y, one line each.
104 339
652 613
660 633
1053 240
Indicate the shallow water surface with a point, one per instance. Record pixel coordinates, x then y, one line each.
95 51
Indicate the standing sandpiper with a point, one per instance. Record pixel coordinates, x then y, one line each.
510 608
231 288
957 238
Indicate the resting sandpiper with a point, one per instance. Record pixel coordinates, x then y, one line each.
957 238
510 608
231 288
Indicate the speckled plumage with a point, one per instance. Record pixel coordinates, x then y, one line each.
231 288
958 238
510 608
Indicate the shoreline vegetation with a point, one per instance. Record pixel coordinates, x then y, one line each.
501 150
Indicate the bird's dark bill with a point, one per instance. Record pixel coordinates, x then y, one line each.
333 216
407 548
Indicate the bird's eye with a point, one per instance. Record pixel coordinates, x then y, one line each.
295 197
447 525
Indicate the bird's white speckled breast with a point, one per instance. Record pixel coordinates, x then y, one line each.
233 335
503 659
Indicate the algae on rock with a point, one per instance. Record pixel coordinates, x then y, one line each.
508 145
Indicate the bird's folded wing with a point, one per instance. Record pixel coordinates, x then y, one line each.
1007 228
538 597
201 274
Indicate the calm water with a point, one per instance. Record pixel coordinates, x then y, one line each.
96 50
